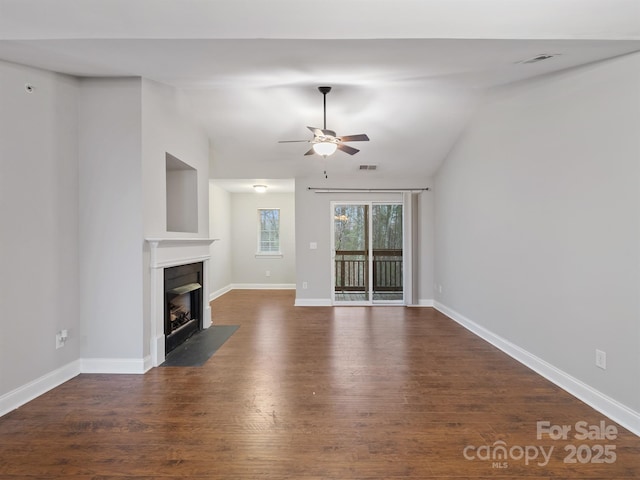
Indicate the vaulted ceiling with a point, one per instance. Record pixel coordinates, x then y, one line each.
409 73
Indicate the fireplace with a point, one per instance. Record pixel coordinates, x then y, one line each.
165 254
183 288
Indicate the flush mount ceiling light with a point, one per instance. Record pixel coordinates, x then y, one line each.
260 188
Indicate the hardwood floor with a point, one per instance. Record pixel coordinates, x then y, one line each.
314 393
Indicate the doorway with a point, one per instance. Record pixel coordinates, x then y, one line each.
368 261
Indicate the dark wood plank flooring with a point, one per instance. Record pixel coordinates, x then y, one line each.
313 393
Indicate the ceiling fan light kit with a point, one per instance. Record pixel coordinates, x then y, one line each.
325 142
325 148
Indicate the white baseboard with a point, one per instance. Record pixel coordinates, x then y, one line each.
147 363
312 302
263 286
18 397
424 303
116 365
616 411
206 317
219 293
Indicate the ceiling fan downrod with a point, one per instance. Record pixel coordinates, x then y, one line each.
324 91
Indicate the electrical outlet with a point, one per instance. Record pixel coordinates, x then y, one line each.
601 359
267 273
305 285
61 338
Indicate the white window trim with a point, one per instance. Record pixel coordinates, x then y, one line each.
267 255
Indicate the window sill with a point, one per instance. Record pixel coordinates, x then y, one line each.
269 255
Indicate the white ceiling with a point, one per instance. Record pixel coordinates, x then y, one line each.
409 73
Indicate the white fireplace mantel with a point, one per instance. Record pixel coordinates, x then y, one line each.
181 241
171 252
168 252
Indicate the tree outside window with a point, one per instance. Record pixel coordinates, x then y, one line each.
268 231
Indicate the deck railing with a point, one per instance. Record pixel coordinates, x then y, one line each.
352 270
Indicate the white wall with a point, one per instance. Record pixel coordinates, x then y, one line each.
167 127
220 228
111 222
538 223
248 270
82 184
313 224
38 223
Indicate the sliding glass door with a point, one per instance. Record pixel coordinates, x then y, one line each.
351 253
367 253
387 260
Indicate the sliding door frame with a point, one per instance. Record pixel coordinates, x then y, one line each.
369 251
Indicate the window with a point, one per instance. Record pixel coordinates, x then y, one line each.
269 231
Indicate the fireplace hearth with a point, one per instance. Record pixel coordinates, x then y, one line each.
183 303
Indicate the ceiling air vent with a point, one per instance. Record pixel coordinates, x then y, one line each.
368 167
539 58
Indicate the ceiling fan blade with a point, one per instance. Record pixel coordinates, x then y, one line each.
328 133
316 131
293 141
354 138
347 149
310 152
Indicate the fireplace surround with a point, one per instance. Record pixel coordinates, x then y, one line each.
166 253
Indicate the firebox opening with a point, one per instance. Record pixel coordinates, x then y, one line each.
183 303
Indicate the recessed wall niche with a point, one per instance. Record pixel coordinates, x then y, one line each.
182 196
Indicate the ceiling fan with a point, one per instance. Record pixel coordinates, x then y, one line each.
326 142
